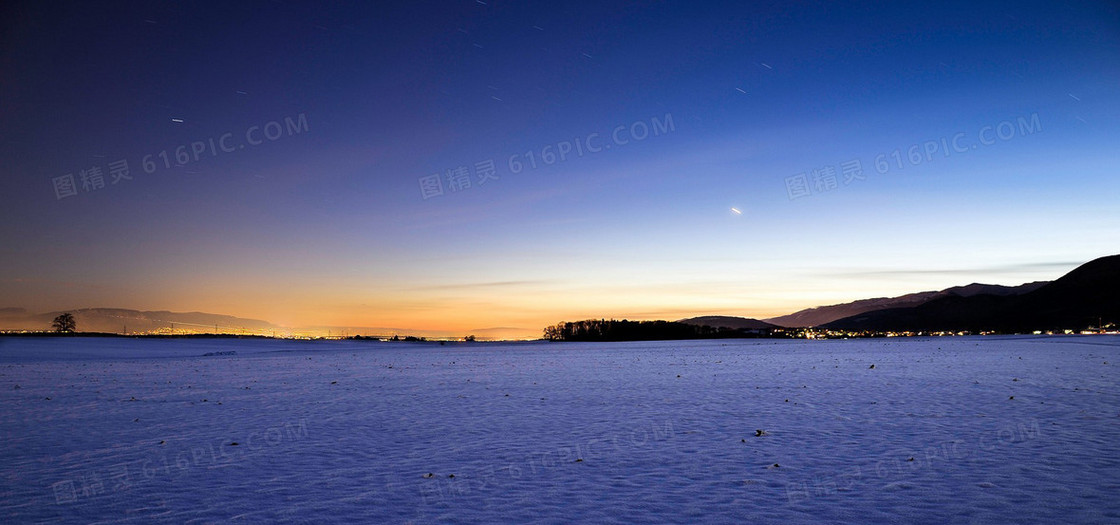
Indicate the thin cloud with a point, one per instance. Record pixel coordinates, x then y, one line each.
1061 267
489 285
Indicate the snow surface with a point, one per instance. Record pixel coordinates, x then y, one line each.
1001 430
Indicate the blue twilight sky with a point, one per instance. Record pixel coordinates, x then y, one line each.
738 158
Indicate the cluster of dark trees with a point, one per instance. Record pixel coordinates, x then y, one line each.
615 330
409 338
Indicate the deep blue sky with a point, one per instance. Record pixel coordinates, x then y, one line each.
329 226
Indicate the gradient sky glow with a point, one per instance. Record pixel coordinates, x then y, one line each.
328 226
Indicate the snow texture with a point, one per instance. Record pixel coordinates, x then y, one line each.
943 430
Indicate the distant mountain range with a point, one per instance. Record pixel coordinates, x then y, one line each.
734 323
822 315
118 320
1084 297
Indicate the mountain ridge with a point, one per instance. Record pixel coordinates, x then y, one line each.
726 321
822 315
1088 293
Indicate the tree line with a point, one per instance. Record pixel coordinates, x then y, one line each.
624 330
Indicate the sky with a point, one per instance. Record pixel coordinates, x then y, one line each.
458 166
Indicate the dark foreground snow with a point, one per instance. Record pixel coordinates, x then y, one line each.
949 430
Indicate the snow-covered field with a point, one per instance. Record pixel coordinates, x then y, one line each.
947 430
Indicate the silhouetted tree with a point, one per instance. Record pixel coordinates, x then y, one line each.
64 323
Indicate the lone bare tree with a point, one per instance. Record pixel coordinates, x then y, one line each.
64 323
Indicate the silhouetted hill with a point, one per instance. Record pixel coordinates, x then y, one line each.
992 289
723 321
1075 301
822 315
115 320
